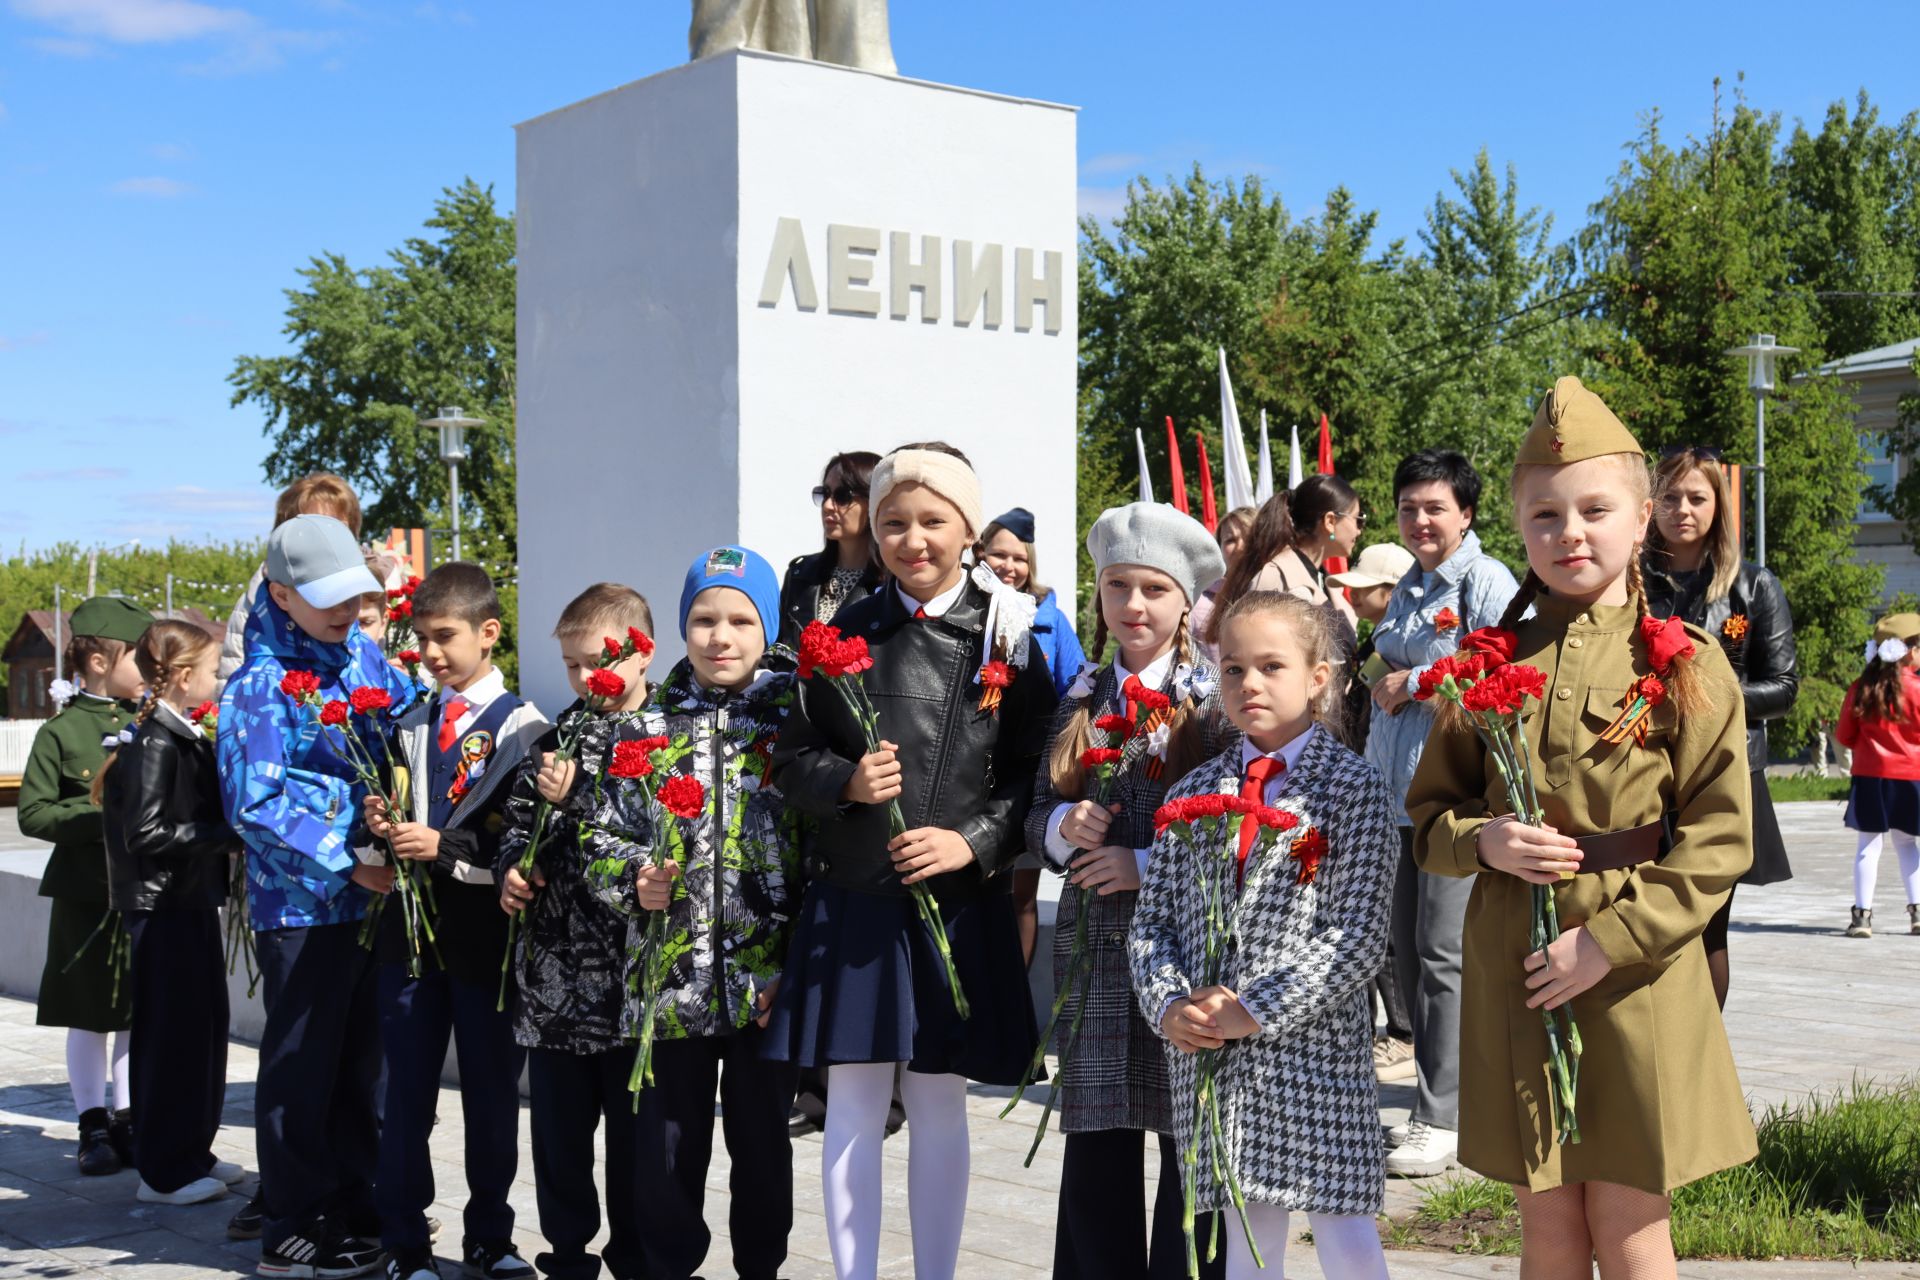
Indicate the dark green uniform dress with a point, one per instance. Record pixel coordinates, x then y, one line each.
56 804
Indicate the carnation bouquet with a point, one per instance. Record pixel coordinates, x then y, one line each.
240 943
1492 691
1209 826
604 686
839 660
1101 763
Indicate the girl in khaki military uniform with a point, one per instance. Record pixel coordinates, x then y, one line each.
1659 1103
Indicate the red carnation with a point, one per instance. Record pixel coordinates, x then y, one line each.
630 760
402 610
850 657
604 684
1652 688
1147 699
1308 848
612 646
334 713
1097 757
367 700
1278 819
682 797
1430 681
1488 693
642 642
1446 620
1525 681
996 675
1667 639
817 644
408 655
1114 724
204 710
1495 644
1210 805
301 686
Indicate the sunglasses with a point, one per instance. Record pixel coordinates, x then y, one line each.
842 494
1713 452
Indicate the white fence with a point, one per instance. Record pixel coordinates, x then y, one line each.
16 740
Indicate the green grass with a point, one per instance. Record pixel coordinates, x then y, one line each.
1837 1177
1805 786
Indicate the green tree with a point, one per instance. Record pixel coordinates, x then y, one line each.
376 350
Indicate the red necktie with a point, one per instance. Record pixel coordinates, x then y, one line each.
920 614
450 712
1253 786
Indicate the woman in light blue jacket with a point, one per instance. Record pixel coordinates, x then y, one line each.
1454 588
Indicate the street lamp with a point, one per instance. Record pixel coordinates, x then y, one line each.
1760 355
93 562
452 425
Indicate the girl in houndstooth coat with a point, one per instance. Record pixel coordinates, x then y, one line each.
1114 1080
1298 1103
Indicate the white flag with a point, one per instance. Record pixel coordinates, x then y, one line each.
1263 482
1146 482
1293 460
1233 450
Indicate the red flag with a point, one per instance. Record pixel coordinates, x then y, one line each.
1326 447
1178 473
1209 514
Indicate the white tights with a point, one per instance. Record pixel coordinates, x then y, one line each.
1866 866
1348 1247
858 1096
87 1069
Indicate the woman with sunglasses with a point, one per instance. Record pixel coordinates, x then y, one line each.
818 586
1693 570
1287 547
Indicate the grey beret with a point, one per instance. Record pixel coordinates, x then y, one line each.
1155 535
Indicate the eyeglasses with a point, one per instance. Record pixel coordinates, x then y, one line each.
1713 452
842 494
1358 517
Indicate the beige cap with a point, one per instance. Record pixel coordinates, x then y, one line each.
1572 425
1380 565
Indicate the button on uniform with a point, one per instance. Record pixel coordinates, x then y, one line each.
1563 694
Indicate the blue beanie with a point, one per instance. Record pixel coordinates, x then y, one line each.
746 572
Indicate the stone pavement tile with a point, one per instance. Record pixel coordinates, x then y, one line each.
153 1254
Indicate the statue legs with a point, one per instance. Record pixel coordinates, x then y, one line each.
854 33
778 26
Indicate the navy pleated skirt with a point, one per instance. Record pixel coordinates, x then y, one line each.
864 983
1878 805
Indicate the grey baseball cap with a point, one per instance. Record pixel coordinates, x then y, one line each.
318 557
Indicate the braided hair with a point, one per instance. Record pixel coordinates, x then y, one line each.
1184 744
168 646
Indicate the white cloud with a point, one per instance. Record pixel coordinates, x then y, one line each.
1101 203
1113 162
8 342
157 187
193 500
136 21
65 475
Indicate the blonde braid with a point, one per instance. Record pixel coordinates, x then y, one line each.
1684 683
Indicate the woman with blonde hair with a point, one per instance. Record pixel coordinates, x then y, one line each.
1694 572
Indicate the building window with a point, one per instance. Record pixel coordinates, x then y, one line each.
1882 469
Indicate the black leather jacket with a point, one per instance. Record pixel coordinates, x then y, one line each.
1762 654
167 837
962 768
800 592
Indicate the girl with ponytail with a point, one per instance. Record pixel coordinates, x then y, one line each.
1639 748
1880 725
1154 705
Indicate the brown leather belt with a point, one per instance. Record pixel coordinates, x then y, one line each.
1615 850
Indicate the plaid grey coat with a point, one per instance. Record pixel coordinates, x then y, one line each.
1117 1075
1298 1104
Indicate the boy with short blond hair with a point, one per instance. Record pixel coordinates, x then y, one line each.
460 750
570 962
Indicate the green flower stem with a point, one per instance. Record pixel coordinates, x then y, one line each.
653 970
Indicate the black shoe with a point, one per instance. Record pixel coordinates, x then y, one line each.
319 1251
245 1225
120 1133
493 1260
800 1124
365 1223
412 1264
97 1155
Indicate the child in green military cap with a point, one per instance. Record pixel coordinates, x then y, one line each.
77 987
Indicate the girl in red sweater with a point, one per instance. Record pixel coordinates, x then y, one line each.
1880 724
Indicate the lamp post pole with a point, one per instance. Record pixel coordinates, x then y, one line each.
452 425
1760 354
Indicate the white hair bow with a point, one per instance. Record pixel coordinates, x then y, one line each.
1892 649
61 692
120 739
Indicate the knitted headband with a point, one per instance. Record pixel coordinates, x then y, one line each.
943 473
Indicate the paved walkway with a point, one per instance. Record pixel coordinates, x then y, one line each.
1810 1010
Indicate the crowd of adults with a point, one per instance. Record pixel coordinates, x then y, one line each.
1400 606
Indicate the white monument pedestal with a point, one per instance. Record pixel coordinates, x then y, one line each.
732 270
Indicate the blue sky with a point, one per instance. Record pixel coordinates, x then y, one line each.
167 165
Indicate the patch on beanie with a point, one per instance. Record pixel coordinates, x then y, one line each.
727 562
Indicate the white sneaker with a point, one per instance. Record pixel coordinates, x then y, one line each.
1397 1135
1426 1151
196 1192
228 1172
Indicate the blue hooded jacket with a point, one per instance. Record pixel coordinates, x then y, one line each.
291 795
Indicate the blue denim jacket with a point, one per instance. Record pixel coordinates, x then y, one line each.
1478 589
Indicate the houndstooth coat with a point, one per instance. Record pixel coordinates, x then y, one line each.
1299 1106
1116 1077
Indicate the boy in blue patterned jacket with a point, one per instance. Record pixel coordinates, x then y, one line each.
295 801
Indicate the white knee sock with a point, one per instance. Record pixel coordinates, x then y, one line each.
937 1169
1909 854
87 1068
1348 1247
122 1070
1866 868
858 1096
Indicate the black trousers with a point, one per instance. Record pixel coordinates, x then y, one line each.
1101 1233
676 1146
317 1127
179 977
571 1094
418 1017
